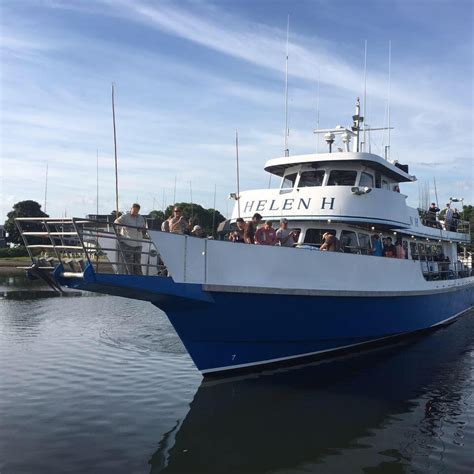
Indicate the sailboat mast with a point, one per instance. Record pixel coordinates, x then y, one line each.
115 150
287 151
238 176
46 188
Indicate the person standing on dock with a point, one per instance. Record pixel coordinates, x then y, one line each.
132 230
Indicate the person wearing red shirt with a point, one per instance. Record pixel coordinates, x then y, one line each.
266 235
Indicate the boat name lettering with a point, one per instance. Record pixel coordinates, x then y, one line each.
287 205
329 203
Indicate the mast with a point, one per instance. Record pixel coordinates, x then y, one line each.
317 110
115 150
238 177
46 187
389 90
365 95
214 212
287 151
97 183
174 190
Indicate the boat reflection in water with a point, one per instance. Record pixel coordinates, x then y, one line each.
415 392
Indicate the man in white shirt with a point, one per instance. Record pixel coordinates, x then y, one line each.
131 227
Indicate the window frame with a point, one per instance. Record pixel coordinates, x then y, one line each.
328 183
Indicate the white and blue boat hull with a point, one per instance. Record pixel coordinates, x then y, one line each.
237 329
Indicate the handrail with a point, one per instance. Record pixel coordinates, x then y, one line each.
77 241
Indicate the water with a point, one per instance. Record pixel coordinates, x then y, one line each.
102 384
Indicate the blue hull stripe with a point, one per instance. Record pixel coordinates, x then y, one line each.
240 330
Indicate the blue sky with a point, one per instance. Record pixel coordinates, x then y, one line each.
188 74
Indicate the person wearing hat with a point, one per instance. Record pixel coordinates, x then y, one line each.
198 232
266 235
285 237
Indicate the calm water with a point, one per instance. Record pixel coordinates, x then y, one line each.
102 384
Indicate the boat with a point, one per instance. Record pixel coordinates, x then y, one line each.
241 307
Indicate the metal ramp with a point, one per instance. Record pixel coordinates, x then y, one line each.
78 244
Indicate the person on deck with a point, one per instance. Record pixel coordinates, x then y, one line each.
285 237
266 235
448 218
131 227
377 249
431 215
330 243
177 222
389 249
400 251
456 218
198 232
237 235
251 228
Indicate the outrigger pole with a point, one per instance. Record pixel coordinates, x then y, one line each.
115 149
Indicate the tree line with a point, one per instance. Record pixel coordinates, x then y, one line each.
208 219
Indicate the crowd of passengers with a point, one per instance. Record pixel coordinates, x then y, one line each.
451 217
253 232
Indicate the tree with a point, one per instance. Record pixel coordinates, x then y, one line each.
23 209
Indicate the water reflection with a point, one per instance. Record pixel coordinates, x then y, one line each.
296 419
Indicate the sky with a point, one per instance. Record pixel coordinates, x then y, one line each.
188 74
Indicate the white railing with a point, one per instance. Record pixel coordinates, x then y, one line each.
76 242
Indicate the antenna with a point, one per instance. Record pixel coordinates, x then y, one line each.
436 191
317 109
238 177
389 90
365 95
46 187
97 184
115 149
287 151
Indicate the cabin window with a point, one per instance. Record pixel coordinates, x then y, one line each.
405 248
385 184
349 241
366 179
364 243
342 178
315 236
413 251
422 251
311 178
289 181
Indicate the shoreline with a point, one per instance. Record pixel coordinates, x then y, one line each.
9 266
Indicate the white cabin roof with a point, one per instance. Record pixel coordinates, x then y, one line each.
277 166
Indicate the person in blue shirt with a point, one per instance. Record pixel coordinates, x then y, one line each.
376 246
